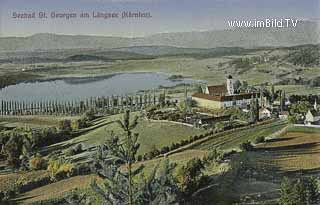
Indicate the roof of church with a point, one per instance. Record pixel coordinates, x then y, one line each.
223 98
217 89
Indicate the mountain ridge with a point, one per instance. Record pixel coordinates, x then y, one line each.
305 33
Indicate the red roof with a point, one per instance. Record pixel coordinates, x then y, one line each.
223 98
217 90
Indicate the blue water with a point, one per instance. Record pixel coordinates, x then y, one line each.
81 88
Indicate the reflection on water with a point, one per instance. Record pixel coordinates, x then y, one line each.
80 88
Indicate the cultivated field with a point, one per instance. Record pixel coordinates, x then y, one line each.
296 150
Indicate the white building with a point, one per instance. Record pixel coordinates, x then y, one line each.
312 118
265 113
222 96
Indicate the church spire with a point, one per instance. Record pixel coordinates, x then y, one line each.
230 85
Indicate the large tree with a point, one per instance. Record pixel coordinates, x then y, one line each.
113 163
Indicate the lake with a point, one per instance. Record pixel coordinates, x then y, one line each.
81 88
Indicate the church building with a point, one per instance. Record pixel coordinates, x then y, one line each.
222 96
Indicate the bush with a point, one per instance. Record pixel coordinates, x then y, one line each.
214 156
65 125
260 139
60 169
89 115
299 191
74 150
246 146
190 177
38 163
13 150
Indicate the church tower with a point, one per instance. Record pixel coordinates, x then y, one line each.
230 85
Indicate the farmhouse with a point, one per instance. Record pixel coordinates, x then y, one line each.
284 115
222 96
312 118
265 113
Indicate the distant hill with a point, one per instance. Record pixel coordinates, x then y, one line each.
304 33
86 58
69 55
186 52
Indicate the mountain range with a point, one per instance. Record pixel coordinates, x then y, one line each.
304 33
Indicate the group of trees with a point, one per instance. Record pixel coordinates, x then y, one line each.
125 184
308 98
19 145
305 56
299 191
298 110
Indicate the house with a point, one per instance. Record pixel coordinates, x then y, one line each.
283 115
222 96
265 113
209 120
312 118
201 120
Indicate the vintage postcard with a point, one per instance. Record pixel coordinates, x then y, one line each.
160 102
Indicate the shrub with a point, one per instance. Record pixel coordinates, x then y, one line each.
246 146
260 139
164 149
65 125
37 163
300 191
139 158
13 150
74 150
190 177
89 115
60 169
214 155
78 148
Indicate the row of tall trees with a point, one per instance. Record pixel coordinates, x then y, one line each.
77 107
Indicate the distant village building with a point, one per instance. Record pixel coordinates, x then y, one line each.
222 96
312 118
201 120
283 115
265 113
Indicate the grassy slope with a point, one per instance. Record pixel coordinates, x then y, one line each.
7 180
57 190
51 191
151 134
32 121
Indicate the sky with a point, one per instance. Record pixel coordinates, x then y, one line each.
167 15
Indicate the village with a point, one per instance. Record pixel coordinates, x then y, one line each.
233 101
230 104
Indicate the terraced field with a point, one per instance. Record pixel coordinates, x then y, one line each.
234 139
296 150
